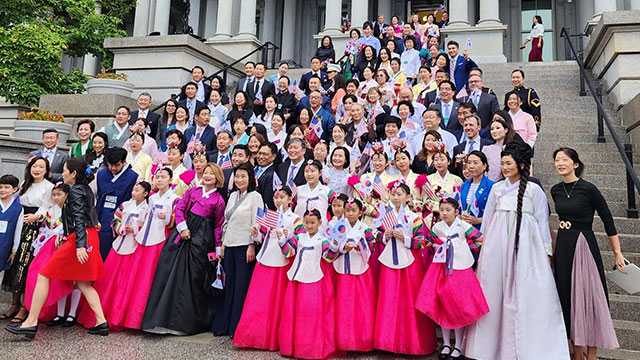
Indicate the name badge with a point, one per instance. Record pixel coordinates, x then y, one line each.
3 226
110 201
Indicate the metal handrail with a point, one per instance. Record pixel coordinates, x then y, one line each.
625 150
265 48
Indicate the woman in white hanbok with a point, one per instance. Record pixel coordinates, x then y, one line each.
525 318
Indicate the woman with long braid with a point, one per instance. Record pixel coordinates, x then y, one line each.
525 318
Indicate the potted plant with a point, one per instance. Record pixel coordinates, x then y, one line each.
30 125
109 83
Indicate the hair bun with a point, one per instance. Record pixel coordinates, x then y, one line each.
521 152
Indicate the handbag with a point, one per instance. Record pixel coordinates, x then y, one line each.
628 279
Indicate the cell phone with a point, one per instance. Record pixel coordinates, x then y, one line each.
212 256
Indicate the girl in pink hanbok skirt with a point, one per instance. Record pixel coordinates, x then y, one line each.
50 237
450 293
399 327
354 282
258 326
307 321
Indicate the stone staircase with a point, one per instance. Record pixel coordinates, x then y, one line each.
571 120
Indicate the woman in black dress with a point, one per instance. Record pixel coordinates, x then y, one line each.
579 271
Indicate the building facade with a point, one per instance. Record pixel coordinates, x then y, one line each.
294 24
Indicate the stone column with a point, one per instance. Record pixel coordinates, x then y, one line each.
247 19
601 6
90 62
359 13
225 14
288 30
333 16
489 13
268 20
141 18
210 18
161 20
635 4
384 9
458 14
194 16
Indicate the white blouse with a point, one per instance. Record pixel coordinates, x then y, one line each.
316 198
356 261
38 195
536 31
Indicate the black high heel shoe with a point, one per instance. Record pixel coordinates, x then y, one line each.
101 329
27 332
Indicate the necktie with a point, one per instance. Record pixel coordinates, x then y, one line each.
445 113
377 179
476 98
471 145
292 174
258 171
256 87
198 134
221 159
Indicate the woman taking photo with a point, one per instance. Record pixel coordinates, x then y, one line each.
238 250
515 273
77 260
35 192
578 266
180 301
474 192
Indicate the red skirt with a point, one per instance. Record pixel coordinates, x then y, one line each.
536 52
64 264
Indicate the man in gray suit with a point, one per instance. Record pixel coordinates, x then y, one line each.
486 104
50 151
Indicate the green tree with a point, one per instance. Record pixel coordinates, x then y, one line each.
34 35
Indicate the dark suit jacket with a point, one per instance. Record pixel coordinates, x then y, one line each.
283 170
240 83
487 105
377 28
427 98
225 191
265 186
456 168
199 104
152 119
208 137
453 125
304 80
267 89
207 92
212 155
56 165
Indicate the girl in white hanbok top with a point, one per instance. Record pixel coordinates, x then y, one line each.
313 194
258 326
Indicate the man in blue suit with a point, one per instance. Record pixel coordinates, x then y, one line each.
201 131
459 65
321 116
316 66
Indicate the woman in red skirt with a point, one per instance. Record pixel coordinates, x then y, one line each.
78 258
535 37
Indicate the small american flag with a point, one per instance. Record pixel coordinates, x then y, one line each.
226 165
379 188
389 220
267 218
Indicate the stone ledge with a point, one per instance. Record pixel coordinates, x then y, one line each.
609 23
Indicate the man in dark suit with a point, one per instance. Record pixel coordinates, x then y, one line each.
204 90
259 89
243 83
473 142
447 106
201 131
316 66
428 97
291 170
143 112
239 155
486 104
286 101
222 154
265 171
390 34
190 102
378 27
50 151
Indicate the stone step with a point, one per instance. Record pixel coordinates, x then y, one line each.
624 307
608 258
628 333
629 243
618 354
623 224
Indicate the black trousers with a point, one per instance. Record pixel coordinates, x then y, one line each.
237 274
